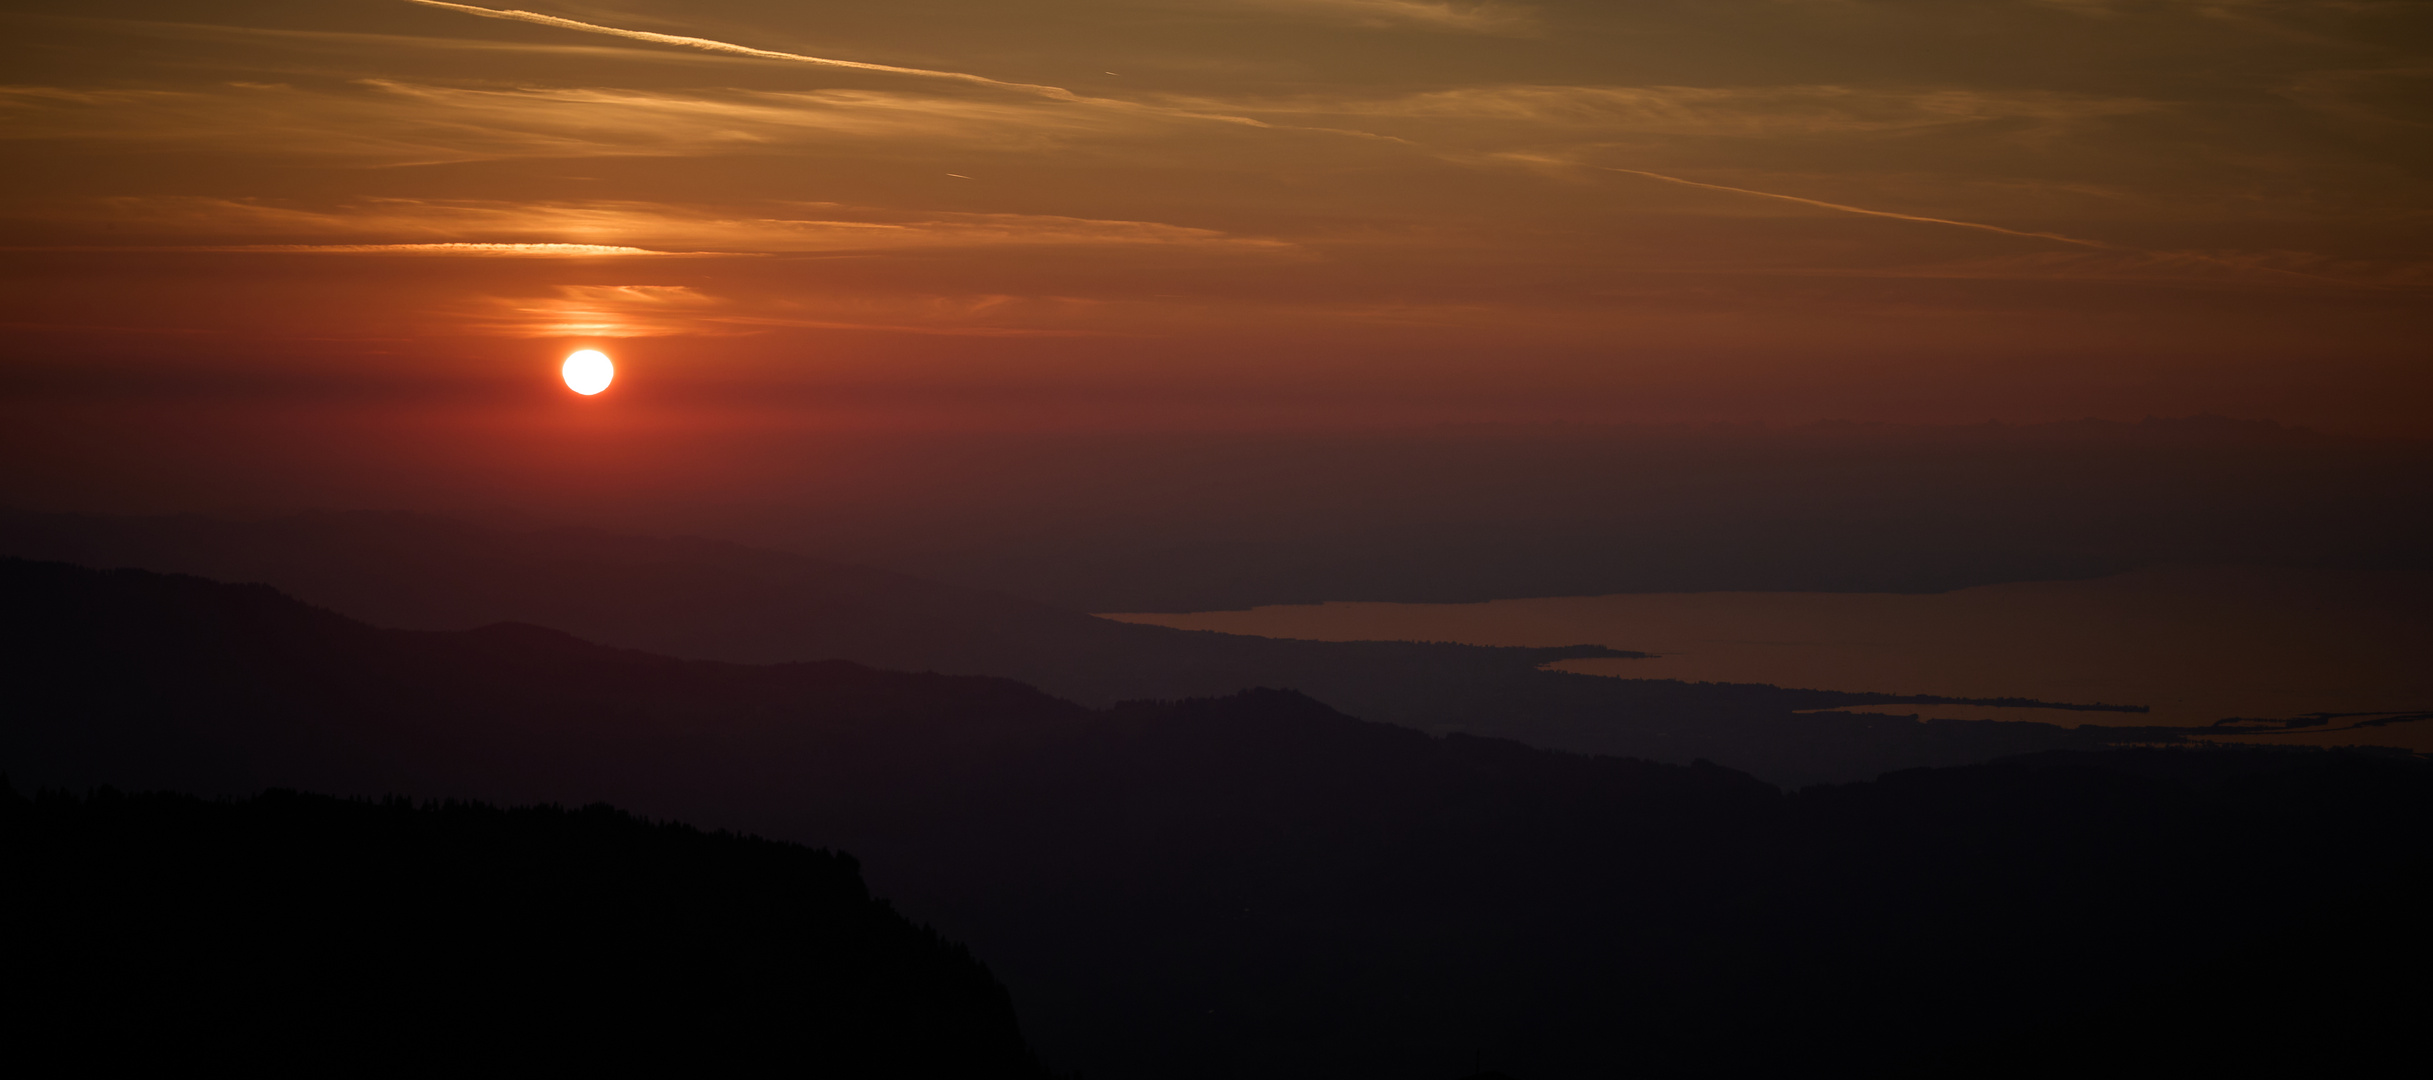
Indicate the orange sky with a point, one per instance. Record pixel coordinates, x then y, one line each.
1224 212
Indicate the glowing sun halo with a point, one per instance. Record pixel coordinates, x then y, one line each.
588 372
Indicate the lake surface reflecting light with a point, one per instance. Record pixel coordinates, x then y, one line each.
2194 644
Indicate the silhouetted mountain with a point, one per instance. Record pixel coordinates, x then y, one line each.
2336 993
1259 886
301 935
711 600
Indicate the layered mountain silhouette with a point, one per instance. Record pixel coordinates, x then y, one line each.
2329 996
290 934
711 600
1259 885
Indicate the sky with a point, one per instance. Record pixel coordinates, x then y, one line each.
339 216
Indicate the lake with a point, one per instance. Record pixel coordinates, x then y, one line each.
2194 644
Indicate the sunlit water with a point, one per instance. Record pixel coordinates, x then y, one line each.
2195 645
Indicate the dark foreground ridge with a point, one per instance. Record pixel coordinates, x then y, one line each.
1259 886
2341 994
298 934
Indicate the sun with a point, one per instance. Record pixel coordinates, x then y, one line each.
588 372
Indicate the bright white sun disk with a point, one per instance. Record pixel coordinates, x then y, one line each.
588 372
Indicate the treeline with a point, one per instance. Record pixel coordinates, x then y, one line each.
301 934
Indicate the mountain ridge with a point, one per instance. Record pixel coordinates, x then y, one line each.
712 600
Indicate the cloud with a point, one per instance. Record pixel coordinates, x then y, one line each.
1054 94
597 311
626 228
629 311
393 122
1479 16
1541 111
2384 102
2152 264
2275 271
1474 18
1956 157
710 45
2095 9
363 43
401 122
492 250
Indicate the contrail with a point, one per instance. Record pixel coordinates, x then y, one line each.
2097 244
2229 264
1053 93
1056 92
1059 93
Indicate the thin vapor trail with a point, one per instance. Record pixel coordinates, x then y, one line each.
1059 93
2228 264
2097 244
1053 93
711 45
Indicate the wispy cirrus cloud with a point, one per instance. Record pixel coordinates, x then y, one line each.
388 122
468 227
1474 18
396 122
1054 94
359 43
1539 111
1761 150
629 311
711 45
593 311
461 249
2273 270
391 122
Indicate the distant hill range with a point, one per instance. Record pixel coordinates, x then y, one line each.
1259 886
712 600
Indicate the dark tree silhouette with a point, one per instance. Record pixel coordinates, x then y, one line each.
293 933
